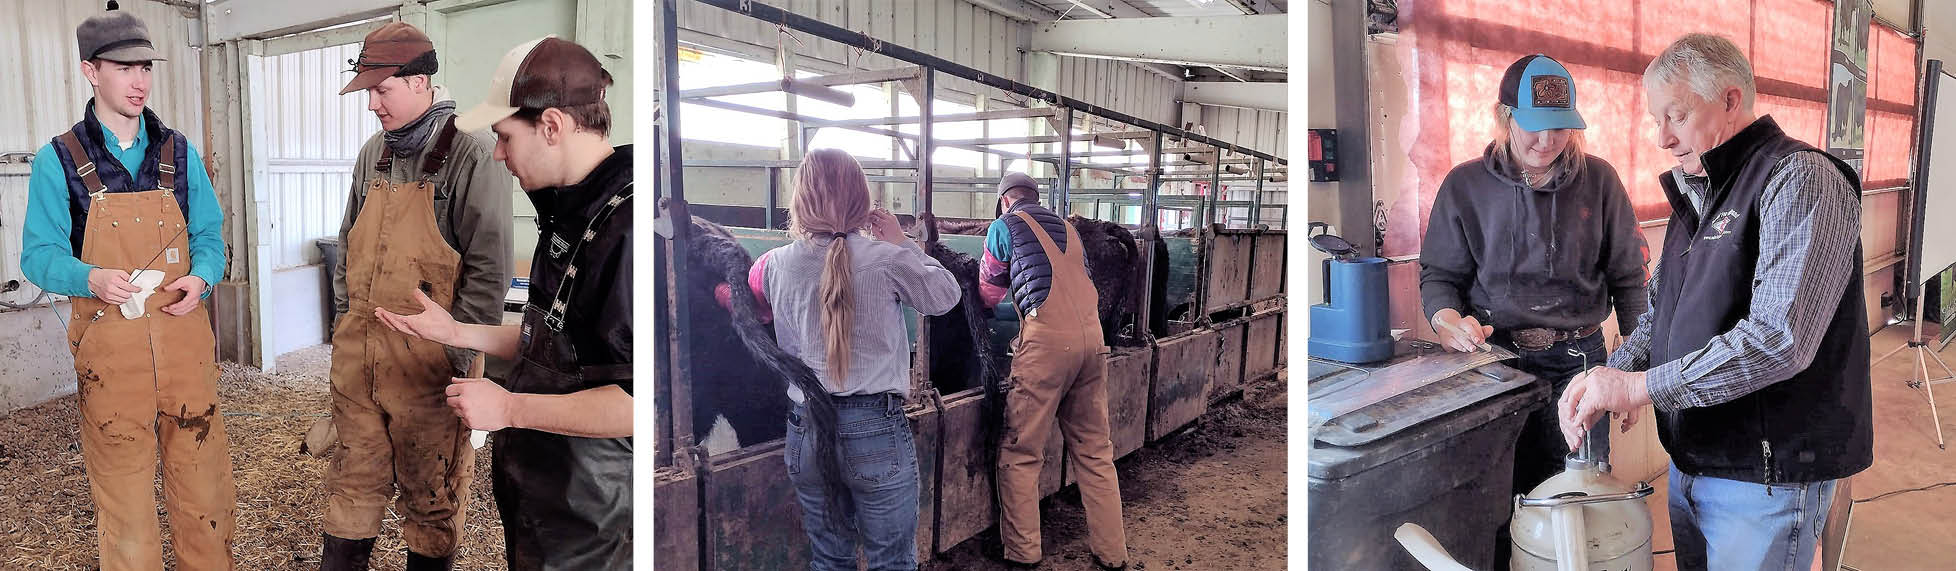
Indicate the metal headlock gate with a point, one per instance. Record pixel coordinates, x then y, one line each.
736 510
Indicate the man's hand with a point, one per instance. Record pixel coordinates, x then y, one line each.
111 286
433 323
482 404
1463 334
193 292
1597 391
883 225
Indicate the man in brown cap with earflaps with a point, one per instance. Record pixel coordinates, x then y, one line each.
563 449
429 213
122 219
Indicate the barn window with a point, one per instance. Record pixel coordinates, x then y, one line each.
950 131
871 102
1453 53
702 123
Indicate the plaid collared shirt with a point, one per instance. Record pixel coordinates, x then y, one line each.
1810 224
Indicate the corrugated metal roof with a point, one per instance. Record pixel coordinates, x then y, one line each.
1158 8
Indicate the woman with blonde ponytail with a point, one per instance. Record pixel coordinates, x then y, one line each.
836 296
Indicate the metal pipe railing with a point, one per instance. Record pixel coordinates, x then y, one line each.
831 32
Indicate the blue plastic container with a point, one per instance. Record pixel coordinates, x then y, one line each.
1352 325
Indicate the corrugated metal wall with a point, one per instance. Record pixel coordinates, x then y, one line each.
44 93
951 29
1120 86
313 134
1266 131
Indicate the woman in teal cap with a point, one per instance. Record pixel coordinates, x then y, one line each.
1530 247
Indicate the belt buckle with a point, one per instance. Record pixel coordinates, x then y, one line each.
1535 339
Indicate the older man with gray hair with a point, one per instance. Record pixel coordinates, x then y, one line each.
1760 274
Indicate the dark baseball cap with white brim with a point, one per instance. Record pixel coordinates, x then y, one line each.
539 74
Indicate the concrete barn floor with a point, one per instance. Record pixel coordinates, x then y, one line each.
47 520
1902 531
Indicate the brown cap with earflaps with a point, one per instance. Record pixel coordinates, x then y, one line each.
386 51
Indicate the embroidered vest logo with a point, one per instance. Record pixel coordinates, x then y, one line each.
1721 226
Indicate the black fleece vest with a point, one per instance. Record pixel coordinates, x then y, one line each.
1815 426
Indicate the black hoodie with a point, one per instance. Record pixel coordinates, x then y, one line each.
1516 257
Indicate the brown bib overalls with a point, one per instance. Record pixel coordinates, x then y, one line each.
389 404
1059 373
146 384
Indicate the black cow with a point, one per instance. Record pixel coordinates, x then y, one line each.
1114 265
749 393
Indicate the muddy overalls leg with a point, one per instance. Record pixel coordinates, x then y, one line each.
389 404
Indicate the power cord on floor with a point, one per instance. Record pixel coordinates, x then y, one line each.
1921 489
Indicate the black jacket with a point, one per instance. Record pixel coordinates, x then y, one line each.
566 501
1561 256
1815 426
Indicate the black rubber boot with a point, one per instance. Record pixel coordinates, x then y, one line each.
345 554
419 562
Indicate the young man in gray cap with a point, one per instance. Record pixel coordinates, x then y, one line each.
1058 373
117 206
429 212
564 418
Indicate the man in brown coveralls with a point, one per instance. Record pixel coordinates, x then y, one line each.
122 219
429 212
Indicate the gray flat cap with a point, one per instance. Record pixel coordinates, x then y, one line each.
115 36
1013 180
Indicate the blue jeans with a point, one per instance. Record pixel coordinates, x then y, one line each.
880 461
1728 524
1540 450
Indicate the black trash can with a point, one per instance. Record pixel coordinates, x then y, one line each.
1441 456
329 255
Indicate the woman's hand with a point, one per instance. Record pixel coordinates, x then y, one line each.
883 225
1463 334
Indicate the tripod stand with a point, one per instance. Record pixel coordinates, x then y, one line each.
1919 374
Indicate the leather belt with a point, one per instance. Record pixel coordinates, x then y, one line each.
1541 338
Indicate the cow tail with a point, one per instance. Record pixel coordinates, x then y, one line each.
826 446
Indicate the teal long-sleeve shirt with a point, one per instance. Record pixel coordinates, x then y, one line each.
50 261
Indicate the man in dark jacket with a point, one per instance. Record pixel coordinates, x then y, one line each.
563 420
1755 350
1059 373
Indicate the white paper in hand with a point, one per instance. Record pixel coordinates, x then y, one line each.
478 438
147 280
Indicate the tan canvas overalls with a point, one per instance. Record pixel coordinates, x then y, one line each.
389 404
146 384
1059 373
